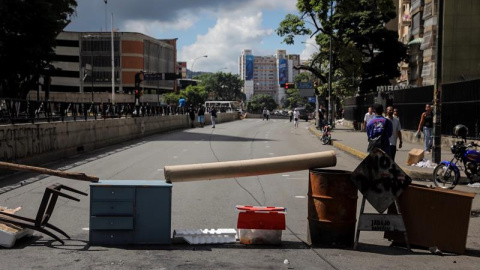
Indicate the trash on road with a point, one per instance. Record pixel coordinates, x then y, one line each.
206 236
9 233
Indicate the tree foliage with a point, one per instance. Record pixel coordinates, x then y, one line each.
223 86
193 94
28 30
259 101
364 51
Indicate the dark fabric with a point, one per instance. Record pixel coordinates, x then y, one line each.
379 130
428 120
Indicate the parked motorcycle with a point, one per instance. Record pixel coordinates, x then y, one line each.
326 135
466 157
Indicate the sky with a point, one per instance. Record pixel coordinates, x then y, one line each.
220 29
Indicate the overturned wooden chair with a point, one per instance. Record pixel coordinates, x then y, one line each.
40 223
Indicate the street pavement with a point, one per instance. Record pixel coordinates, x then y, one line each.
211 204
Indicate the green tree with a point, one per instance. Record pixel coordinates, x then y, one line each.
259 101
194 94
28 31
364 51
223 86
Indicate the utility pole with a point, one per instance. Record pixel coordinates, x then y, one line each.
437 90
330 114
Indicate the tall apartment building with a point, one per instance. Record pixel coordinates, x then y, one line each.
265 74
83 62
461 39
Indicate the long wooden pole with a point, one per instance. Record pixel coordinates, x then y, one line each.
69 175
251 167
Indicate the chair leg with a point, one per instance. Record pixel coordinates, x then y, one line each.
33 227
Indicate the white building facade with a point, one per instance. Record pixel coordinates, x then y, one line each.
266 74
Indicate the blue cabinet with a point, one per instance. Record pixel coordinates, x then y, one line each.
130 212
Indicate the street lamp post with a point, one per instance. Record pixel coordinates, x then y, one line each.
330 114
317 106
193 64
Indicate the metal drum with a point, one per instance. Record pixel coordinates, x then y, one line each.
332 208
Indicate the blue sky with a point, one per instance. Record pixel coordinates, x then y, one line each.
217 28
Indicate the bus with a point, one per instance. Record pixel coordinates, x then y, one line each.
223 106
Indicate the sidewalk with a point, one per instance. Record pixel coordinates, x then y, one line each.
355 143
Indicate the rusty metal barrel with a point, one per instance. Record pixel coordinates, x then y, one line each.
332 208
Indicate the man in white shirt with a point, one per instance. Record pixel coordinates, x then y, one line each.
296 115
396 132
368 116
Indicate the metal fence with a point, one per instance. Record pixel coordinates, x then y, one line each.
460 105
13 111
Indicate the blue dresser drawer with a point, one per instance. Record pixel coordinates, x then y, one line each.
112 193
111 223
111 237
111 208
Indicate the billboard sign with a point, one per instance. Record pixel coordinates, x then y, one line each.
282 71
249 67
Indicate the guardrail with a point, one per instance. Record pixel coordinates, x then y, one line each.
13 111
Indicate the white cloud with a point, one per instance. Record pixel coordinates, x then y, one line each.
310 48
152 27
224 42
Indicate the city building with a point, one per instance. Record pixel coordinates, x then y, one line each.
417 27
83 62
267 74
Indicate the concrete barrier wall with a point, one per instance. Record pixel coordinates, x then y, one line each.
40 143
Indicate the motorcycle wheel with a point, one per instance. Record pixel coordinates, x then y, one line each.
445 177
326 140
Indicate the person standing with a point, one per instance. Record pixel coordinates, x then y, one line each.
201 115
379 130
213 115
264 112
426 122
296 114
181 105
290 115
368 116
191 114
268 115
395 114
396 132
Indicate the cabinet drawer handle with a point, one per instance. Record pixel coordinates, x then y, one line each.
111 236
111 223
113 192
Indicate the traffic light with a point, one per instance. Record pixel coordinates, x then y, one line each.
137 94
289 85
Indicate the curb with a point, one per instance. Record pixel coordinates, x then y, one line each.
416 175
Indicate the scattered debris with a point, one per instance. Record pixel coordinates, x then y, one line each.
286 261
425 163
9 233
476 185
436 251
206 236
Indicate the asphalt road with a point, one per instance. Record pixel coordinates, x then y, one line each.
207 204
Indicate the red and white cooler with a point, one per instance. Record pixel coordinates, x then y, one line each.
260 224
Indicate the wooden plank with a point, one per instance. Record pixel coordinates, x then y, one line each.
69 175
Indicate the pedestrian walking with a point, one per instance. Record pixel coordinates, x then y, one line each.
379 130
201 115
426 124
268 115
296 114
191 114
396 132
290 115
368 116
213 115
264 112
